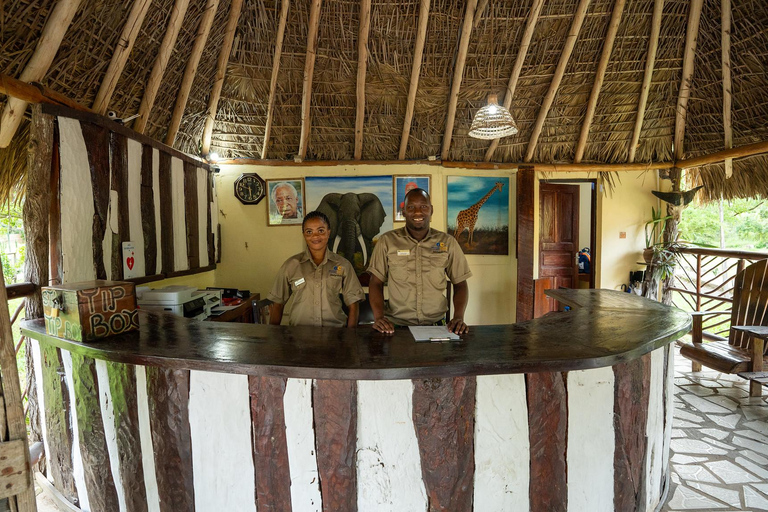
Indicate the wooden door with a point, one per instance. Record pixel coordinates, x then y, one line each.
559 235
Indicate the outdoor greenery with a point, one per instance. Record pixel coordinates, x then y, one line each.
745 224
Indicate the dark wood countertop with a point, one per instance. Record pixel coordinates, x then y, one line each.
605 328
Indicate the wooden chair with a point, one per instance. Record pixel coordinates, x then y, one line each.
261 311
750 308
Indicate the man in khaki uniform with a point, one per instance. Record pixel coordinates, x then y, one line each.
414 261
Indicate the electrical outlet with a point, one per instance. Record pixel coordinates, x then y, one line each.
622 234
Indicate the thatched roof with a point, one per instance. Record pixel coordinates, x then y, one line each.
495 38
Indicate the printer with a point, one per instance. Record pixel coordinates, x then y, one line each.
186 301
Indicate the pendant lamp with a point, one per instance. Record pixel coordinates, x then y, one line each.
493 121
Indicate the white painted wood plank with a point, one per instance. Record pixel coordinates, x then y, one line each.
388 462
180 261
76 204
654 431
591 439
300 438
145 435
669 397
156 195
202 215
37 360
77 458
502 445
110 230
110 432
220 431
136 233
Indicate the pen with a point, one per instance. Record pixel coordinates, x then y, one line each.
439 339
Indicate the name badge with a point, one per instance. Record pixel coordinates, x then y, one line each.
440 247
403 252
298 282
336 270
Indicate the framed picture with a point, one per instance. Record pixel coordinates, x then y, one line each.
401 185
478 213
286 202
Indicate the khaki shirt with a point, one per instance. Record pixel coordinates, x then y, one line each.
316 289
415 273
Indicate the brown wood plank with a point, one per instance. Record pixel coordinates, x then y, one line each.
102 494
270 448
526 178
97 146
444 419
168 396
334 404
148 211
548 428
14 475
166 213
191 215
58 423
122 384
631 394
119 161
54 217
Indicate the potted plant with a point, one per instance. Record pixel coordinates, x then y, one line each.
654 234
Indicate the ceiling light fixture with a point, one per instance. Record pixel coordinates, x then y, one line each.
492 121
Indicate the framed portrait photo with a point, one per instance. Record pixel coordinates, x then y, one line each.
401 185
286 202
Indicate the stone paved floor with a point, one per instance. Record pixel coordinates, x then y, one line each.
719 443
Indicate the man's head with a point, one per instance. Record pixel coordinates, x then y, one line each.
285 198
417 211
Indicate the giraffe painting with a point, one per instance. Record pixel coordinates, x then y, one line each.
466 219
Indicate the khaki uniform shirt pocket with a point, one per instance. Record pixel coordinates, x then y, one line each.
437 263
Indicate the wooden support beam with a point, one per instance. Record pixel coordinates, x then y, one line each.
418 53
727 98
221 71
309 69
653 46
275 69
203 31
757 148
605 57
565 56
692 33
362 65
55 28
36 93
481 6
530 27
120 57
161 62
458 74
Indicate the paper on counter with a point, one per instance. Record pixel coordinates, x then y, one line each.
432 333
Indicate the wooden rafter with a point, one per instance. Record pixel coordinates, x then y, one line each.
38 65
120 57
221 70
362 64
653 46
161 62
530 27
309 70
757 148
203 31
275 69
458 74
570 42
692 32
418 53
605 57
35 93
726 57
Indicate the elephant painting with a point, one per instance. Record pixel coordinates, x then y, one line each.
355 220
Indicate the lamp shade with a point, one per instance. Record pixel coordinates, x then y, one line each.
493 121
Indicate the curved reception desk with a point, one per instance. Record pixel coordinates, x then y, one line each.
571 411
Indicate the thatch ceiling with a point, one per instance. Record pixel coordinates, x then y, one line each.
82 60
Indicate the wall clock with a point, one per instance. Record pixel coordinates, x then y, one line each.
250 188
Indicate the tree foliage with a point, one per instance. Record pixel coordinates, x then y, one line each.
745 223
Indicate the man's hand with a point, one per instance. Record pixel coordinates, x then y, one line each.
383 325
457 325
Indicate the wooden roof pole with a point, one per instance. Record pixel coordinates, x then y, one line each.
570 42
120 57
726 49
161 62
694 15
275 69
38 65
221 71
362 65
418 53
203 31
757 148
458 74
309 69
605 57
530 27
653 46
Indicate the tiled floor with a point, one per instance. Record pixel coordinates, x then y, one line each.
719 443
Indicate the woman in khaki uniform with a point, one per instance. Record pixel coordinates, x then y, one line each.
316 278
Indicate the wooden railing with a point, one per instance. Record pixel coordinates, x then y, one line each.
16 291
704 282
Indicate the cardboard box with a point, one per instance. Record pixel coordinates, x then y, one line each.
90 310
